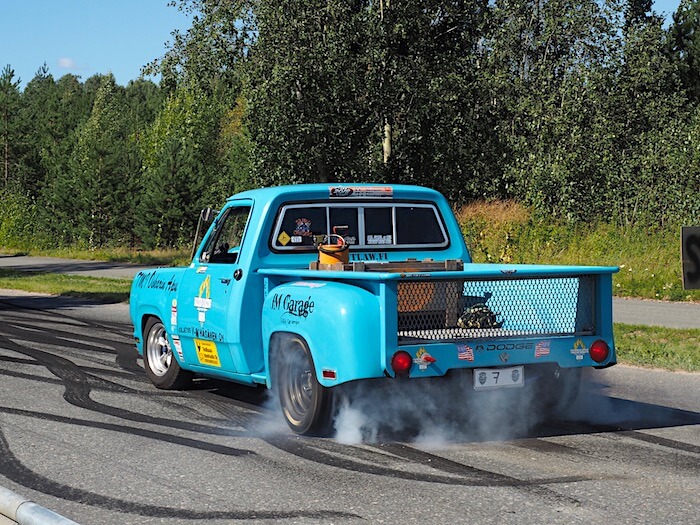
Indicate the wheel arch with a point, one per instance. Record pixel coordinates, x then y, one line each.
140 328
342 331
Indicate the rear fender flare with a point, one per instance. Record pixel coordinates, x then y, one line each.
340 323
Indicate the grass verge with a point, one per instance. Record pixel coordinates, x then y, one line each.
93 288
657 347
115 255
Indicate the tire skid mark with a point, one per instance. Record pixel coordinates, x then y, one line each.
14 470
17 360
96 382
90 371
686 418
77 392
561 450
661 441
30 377
630 447
77 386
61 324
536 486
126 355
547 447
11 310
61 342
151 434
461 474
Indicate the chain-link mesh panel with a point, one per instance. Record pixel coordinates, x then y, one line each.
459 309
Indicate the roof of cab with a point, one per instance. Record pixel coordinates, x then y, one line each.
338 192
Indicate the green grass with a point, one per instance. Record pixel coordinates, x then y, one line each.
120 255
93 288
656 347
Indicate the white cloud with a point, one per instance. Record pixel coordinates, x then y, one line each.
67 63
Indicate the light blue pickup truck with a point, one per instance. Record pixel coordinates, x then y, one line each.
306 288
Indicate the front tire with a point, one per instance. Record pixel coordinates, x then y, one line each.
161 366
305 403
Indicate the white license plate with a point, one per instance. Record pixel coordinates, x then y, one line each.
498 377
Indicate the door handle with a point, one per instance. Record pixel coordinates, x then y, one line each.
224 281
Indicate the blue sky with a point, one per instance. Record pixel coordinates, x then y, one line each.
86 37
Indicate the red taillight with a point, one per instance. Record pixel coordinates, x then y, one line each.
401 362
599 351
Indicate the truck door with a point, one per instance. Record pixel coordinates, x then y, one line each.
209 299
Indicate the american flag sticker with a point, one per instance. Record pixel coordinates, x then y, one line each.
465 353
542 348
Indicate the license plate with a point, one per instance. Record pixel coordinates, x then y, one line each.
485 378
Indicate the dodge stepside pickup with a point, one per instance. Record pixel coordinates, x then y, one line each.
307 288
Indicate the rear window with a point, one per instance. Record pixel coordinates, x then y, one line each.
300 227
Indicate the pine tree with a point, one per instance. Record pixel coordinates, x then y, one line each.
9 132
180 168
684 45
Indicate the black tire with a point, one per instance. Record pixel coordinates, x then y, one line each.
559 388
306 404
161 366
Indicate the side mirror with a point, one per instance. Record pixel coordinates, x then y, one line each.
206 216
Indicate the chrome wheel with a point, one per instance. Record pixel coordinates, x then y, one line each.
305 403
300 387
161 366
160 355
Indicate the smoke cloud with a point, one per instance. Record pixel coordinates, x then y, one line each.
433 412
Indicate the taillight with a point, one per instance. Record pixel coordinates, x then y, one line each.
401 363
599 351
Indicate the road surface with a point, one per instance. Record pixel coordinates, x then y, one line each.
83 433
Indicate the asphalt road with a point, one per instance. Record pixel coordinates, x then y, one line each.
70 266
83 433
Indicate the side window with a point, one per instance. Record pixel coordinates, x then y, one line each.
224 244
418 226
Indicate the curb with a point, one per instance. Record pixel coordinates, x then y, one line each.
21 511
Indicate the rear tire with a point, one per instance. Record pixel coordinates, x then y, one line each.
559 388
161 366
306 404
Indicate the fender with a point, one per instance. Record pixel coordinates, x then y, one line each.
340 323
145 303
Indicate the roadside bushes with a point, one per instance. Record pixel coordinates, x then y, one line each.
18 222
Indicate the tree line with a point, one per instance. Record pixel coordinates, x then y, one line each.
585 110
